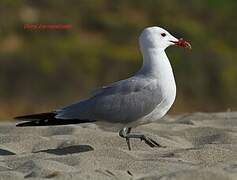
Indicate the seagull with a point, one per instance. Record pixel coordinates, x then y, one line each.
141 99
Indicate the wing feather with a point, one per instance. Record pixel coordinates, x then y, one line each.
120 102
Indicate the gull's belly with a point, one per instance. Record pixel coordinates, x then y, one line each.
162 108
165 105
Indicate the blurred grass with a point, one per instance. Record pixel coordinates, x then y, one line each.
45 69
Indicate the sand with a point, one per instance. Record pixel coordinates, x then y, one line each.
198 146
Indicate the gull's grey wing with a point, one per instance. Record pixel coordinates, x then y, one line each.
120 102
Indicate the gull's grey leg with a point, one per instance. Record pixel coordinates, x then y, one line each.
127 139
125 133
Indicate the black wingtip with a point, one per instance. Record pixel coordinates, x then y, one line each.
53 122
48 115
40 119
39 122
47 119
29 123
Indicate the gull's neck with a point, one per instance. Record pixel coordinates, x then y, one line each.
156 63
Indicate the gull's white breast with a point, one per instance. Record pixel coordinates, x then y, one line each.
162 70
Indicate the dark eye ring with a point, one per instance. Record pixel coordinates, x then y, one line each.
163 34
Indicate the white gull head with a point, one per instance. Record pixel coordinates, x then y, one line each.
159 38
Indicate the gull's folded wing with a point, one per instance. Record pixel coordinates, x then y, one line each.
120 102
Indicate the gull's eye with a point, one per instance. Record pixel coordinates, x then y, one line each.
163 34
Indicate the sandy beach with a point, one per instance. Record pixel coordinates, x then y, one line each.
197 146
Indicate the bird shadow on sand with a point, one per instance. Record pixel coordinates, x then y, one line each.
4 152
68 150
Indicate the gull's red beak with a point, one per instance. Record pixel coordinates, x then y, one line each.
182 43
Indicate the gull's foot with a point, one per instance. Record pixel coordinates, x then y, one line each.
150 142
126 133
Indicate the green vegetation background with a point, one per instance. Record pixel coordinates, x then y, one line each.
42 70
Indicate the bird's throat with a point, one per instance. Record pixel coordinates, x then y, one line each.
156 63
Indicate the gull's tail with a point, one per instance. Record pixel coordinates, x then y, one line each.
47 119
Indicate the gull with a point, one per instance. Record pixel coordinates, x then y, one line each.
141 99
